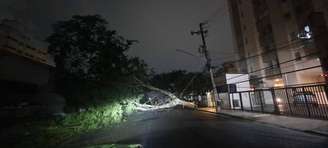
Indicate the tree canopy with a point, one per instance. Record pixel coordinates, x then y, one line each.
85 48
90 56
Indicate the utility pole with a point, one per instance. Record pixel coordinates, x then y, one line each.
203 50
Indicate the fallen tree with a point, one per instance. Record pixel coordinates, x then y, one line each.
174 100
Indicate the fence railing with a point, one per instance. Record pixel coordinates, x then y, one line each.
305 101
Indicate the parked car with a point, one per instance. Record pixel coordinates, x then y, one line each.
305 97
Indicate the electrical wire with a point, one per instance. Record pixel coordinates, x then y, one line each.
272 66
274 75
269 50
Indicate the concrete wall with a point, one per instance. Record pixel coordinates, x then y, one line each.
244 86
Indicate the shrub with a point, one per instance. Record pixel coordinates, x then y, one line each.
53 132
100 116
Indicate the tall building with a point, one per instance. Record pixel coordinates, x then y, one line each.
281 42
22 58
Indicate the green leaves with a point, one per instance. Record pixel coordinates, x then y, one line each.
89 56
101 116
51 133
85 48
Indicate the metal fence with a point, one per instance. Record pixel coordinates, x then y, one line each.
304 101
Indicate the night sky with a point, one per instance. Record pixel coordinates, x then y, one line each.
161 26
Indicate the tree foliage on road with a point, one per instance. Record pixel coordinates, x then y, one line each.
88 55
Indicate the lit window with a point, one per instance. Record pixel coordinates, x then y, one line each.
307 29
306 33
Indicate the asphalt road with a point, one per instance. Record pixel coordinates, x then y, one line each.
179 128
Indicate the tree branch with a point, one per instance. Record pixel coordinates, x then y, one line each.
173 102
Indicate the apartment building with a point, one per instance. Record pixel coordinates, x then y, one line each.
23 59
281 42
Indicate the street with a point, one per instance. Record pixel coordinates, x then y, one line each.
179 128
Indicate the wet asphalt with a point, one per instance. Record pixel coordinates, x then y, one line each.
178 128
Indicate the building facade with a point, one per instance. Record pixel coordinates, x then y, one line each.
22 58
281 42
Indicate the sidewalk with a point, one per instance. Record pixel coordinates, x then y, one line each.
301 124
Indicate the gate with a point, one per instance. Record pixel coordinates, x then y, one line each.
304 101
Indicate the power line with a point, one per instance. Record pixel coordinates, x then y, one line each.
274 75
272 66
188 53
297 43
272 49
294 85
285 47
191 82
288 45
311 54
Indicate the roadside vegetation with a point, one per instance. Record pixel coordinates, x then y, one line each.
101 84
52 132
95 76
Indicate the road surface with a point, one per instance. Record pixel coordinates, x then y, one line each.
179 128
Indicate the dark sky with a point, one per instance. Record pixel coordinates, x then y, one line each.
161 26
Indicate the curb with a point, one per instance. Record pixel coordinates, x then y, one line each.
224 114
319 133
238 117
